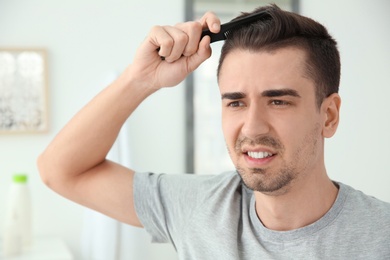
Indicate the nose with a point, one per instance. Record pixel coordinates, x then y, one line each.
255 123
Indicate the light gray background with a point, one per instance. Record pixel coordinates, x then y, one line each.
88 40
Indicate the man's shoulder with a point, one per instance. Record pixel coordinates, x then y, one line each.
361 197
365 222
365 205
190 182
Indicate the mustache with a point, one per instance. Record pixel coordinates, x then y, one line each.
261 140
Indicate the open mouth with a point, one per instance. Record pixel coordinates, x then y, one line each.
259 155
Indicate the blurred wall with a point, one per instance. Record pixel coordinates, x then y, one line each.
87 42
359 152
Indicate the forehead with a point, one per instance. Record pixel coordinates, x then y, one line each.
284 67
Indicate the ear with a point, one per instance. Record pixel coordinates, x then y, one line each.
330 109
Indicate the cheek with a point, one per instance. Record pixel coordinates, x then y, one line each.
231 132
309 145
294 134
227 131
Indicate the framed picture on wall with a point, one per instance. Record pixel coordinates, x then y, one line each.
23 91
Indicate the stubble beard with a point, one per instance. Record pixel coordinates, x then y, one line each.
266 181
278 181
263 179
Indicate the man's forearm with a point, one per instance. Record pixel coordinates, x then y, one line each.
85 141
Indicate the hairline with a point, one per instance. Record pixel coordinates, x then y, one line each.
272 48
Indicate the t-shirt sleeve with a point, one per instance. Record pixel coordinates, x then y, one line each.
164 203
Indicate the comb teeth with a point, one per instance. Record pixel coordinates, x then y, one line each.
227 34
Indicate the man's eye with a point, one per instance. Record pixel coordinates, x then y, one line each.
279 103
235 104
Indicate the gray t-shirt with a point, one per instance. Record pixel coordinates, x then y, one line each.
213 217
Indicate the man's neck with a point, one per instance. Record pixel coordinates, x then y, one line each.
302 204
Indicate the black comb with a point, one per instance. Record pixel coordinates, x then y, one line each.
226 28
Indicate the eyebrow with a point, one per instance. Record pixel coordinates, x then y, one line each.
233 95
266 93
280 93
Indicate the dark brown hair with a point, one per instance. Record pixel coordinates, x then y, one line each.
282 29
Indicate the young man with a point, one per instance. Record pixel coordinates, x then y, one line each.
278 79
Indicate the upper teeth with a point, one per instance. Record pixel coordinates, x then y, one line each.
259 155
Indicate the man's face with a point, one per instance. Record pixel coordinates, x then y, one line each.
272 126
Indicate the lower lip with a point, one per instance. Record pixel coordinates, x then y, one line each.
253 162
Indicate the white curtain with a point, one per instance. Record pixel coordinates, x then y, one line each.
104 238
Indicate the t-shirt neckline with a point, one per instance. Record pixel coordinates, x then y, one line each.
266 234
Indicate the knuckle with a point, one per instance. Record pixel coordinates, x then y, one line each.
167 42
209 13
195 26
182 38
180 25
155 29
198 26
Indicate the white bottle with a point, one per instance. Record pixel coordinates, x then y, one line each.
17 230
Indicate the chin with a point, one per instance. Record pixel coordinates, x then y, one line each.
268 183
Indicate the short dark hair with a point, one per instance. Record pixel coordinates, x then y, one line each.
286 29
